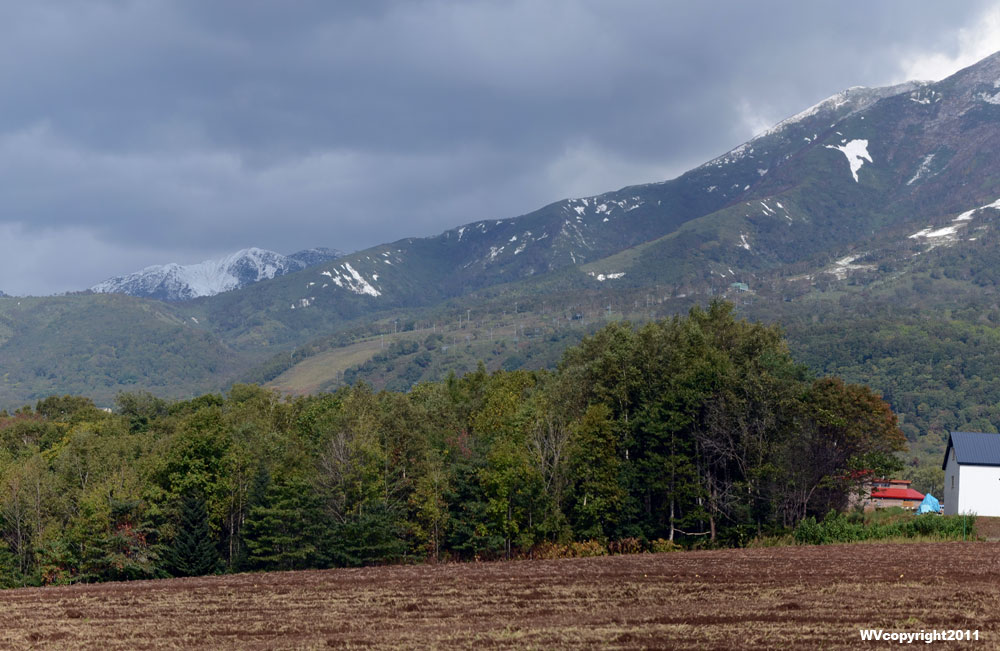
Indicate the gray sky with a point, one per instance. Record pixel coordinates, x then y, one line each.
152 131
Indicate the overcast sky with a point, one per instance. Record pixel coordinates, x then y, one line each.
145 132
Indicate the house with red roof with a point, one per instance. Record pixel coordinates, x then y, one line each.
896 493
881 493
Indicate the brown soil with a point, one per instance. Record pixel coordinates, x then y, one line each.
791 597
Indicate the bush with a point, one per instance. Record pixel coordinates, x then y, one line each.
782 540
809 532
662 546
549 550
625 546
882 525
588 548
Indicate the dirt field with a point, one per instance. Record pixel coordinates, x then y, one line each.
788 598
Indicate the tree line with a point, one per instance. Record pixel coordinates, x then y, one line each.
693 430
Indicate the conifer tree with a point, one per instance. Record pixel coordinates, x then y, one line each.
193 552
282 531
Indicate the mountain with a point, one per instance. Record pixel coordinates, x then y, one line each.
834 192
866 178
795 198
174 282
867 225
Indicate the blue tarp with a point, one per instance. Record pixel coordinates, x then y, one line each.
929 505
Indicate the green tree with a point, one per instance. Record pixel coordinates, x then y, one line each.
430 504
193 551
511 484
126 549
368 536
10 574
140 409
846 432
284 531
598 495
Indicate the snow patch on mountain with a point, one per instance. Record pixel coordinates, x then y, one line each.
988 98
925 167
856 152
932 233
175 282
967 215
842 105
601 205
347 277
936 236
846 264
602 277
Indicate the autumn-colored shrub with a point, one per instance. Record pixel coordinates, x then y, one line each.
662 545
625 546
588 548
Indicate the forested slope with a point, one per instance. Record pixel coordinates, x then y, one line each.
700 428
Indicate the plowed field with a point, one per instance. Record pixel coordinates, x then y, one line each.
788 598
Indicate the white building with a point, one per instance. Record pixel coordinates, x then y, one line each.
972 474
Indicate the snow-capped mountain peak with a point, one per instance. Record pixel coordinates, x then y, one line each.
175 282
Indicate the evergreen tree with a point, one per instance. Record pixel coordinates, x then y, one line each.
193 552
284 531
256 497
368 537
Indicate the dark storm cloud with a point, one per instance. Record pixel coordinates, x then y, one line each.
150 131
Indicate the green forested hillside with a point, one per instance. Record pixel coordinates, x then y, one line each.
686 431
99 345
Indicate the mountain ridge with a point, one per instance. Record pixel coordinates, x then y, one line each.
176 282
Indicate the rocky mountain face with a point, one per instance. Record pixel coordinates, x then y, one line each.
174 282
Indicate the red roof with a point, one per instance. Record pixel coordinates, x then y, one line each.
897 494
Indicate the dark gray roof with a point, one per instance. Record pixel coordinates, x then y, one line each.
974 448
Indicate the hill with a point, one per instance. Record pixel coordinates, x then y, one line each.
99 345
